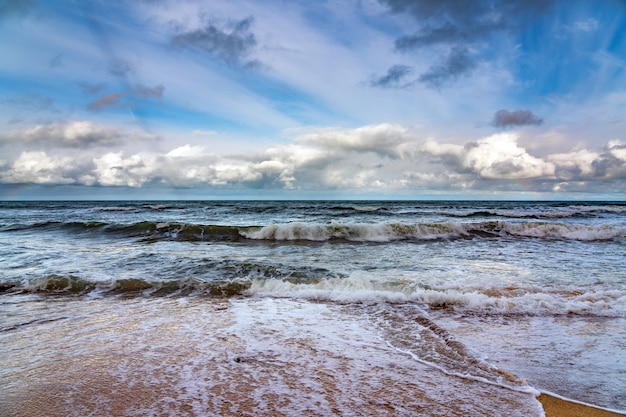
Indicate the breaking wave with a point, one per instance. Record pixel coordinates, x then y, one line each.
72 285
149 231
359 287
387 232
498 300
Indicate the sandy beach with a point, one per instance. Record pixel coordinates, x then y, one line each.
557 407
255 357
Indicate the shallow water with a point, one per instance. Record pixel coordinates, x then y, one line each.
241 356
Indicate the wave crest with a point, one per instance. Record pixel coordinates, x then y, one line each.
150 231
388 232
364 288
72 285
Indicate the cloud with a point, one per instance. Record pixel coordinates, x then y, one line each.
111 169
387 140
456 64
446 34
607 164
394 78
612 162
505 118
458 22
76 134
500 157
456 25
576 164
585 25
232 44
494 157
39 168
374 157
204 133
104 101
114 99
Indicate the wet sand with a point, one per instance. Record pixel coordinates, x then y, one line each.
242 358
556 407
236 358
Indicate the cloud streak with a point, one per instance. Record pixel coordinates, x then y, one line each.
395 78
456 64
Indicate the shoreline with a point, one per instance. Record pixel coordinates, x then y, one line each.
555 406
235 357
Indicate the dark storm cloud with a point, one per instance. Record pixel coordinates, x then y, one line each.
505 118
104 101
430 36
456 21
231 44
447 21
458 24
395 78
456 64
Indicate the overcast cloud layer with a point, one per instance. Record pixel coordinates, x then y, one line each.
337 99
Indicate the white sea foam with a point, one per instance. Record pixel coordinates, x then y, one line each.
547 212
605 209
386 232
114 208
564 231
366 208
262 357
365 288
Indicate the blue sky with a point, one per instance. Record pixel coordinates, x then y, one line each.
327 99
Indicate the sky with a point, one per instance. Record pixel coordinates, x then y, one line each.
344 99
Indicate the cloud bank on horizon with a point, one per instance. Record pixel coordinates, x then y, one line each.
276 99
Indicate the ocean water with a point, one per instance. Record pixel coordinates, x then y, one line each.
310 307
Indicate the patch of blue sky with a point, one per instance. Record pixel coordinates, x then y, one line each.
343 22
292 102
556 53
182 118
616 33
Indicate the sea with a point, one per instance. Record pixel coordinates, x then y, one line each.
310 308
